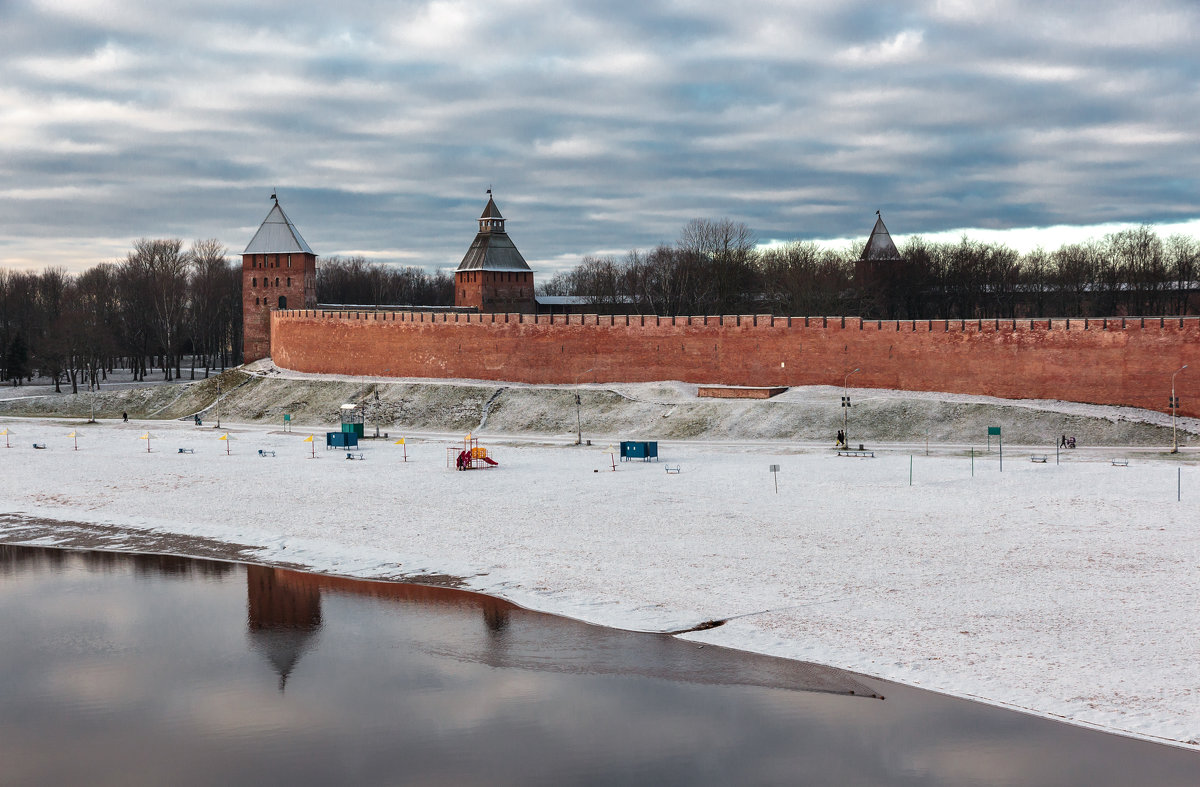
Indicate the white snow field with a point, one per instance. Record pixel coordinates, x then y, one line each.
1068 590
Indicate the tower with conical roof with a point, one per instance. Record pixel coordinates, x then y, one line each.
279 271
493 276
877 269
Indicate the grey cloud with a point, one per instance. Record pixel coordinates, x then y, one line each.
598 129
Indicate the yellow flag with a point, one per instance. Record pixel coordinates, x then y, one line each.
308 439
145 436
399 442
4 432
71 435
224 436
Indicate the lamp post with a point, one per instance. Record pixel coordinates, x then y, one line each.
846 407
218 403
578 423
377 406
1175 412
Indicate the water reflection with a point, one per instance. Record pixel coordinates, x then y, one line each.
18 559
130 669
285 614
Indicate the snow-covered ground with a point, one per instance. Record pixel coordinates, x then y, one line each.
1070 590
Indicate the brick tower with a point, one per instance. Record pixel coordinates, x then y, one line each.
279 271
879 272
493 276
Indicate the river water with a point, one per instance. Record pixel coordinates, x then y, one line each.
128 669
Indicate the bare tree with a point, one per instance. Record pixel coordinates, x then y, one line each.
166 270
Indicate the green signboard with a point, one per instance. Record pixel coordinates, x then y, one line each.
993 430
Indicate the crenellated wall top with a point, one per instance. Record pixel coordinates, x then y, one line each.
1050 324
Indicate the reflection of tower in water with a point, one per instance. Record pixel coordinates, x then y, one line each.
283 616
495 616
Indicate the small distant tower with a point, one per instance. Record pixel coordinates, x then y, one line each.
493 276
279 271
879 270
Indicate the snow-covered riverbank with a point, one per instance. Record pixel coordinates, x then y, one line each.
1068 590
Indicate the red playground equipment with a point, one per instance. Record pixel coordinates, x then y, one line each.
471 456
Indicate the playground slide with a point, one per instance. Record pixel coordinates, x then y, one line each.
490 461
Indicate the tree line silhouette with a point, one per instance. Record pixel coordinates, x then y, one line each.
718 267
160 308
161 303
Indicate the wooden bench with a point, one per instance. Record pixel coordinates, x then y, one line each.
673 469
187 450
1120 463
40 446
351 455
860 454
1040 459
261 452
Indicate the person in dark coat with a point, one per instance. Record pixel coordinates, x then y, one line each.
125 417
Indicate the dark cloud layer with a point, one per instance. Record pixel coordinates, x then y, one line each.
601 127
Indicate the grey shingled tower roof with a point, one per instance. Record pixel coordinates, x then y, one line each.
879 245
277 235
492 249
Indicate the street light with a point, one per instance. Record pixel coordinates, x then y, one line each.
378 407
1175 412
218 403
846 408
578 424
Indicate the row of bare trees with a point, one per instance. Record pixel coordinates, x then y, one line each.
356 280
1132 272
717 267
159 305
162 306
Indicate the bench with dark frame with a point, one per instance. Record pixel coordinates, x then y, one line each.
1117 462
187 450
673 469
40 446
1040 459
351 455
263 453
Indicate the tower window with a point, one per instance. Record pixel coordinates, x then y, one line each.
276 281
254 281
289 281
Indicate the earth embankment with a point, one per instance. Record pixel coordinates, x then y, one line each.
261 393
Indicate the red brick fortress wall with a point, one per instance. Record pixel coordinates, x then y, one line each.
1125 361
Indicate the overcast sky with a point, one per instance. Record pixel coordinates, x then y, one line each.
600 126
